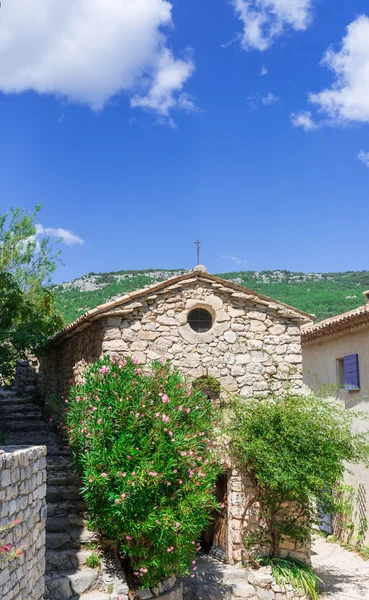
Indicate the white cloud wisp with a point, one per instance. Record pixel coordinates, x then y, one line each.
87 51
364 157
304 120
237 261
347 101
265 20
69 238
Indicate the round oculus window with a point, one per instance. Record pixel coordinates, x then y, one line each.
200 320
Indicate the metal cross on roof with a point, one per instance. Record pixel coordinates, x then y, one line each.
198 251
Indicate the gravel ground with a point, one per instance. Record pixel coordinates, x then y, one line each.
345 574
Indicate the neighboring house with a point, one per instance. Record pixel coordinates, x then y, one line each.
207 327
336 352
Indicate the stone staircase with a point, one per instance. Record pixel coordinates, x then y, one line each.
68 541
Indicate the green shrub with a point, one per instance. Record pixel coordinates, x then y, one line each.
93 561
294 449
296 573
141 440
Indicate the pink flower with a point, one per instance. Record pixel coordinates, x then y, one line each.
162 360
135 361
168 483
137 415
188 410
170 549
99 421
117 501
193 575
178 524
180 482
153 474
90 480
165 399
104 369
128 537
180 407
94 408
157 414
165 418
183 453
174 470
171 433
104 474
123 496
138 371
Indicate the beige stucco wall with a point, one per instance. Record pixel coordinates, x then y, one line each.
253 347
320 368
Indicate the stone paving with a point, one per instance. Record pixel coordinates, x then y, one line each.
345 574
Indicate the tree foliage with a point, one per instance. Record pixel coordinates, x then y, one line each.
141 440
28 315
295 450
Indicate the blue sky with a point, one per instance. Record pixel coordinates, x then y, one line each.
143 125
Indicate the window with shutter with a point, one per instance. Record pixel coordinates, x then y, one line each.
351 372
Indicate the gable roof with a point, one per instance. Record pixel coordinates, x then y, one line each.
337 325
247 294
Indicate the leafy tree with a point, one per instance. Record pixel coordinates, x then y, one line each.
141 440
295 450
27 308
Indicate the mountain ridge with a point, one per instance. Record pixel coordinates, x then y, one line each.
322 294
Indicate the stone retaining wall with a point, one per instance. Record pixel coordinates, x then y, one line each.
22 498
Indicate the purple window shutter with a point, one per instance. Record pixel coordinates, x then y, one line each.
351 372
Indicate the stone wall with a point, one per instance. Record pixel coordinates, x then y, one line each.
22 498
245 520
254 345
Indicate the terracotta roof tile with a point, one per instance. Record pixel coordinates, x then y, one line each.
336 325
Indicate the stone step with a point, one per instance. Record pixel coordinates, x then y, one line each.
14 400
95 596
63 479
67 586
68 492
15 417
25 426
65 523
62 509
66 560
14 407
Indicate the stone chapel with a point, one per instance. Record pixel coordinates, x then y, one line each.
206 326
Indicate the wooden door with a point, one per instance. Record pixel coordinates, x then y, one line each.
220 532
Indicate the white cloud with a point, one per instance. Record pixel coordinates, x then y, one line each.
304 120
263 70
87 51
237 261
265 20
269 99
348 98
364 157
68 237
165 89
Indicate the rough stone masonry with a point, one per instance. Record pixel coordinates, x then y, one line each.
253 346
22 498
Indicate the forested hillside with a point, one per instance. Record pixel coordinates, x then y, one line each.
323 294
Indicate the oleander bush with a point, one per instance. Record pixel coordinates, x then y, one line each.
7 550
142 440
